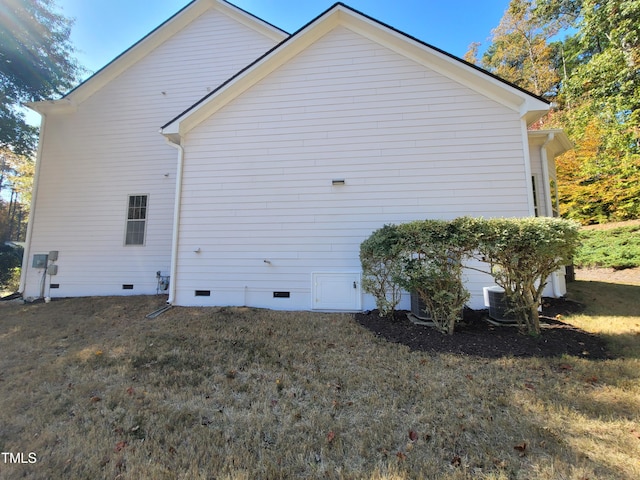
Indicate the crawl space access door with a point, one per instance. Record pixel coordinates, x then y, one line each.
336 291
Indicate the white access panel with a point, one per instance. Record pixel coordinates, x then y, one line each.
336 291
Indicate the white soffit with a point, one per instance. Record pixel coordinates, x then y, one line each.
559 144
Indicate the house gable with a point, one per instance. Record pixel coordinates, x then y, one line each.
526 104
125 61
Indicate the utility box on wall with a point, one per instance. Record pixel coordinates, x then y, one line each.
40 260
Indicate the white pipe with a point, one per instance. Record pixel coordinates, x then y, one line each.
176 221
32 212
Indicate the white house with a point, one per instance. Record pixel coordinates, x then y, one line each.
277 156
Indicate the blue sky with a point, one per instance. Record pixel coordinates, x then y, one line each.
105 28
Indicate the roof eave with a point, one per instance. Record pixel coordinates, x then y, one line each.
527 105
45 107
532 111
556 140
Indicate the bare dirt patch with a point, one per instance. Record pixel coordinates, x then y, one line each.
609 226
628 276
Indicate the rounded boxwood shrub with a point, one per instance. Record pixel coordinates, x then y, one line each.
427 257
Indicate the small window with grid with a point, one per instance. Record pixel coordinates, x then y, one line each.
136 220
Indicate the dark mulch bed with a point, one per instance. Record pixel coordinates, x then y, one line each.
476 336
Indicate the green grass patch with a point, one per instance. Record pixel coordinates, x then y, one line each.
617 248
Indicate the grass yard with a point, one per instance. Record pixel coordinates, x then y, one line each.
96 390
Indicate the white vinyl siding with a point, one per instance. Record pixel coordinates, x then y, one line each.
110 147
409 143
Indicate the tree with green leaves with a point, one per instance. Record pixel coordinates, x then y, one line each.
16 179
520 50
600 100
36 62
593 76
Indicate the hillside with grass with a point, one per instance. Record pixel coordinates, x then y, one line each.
614 246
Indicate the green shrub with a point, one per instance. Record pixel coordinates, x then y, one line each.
13 284
381 267
432 264
427 257
523 253
10 259
617 248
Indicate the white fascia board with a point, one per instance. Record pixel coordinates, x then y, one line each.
44 107
526 105
533 110
139 50
250 21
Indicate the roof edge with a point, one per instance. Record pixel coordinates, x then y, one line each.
450 55
204 5
247 68
529 110
558 139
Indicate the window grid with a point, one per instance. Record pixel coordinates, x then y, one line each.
136 220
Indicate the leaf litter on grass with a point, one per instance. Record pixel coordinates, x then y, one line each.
310 395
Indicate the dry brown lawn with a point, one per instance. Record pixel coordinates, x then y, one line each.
96 390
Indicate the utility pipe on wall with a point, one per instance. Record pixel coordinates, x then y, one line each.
32 212
176 220
544 158
527 167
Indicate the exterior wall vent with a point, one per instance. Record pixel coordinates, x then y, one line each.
54 285
203 293
127 286
281 294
